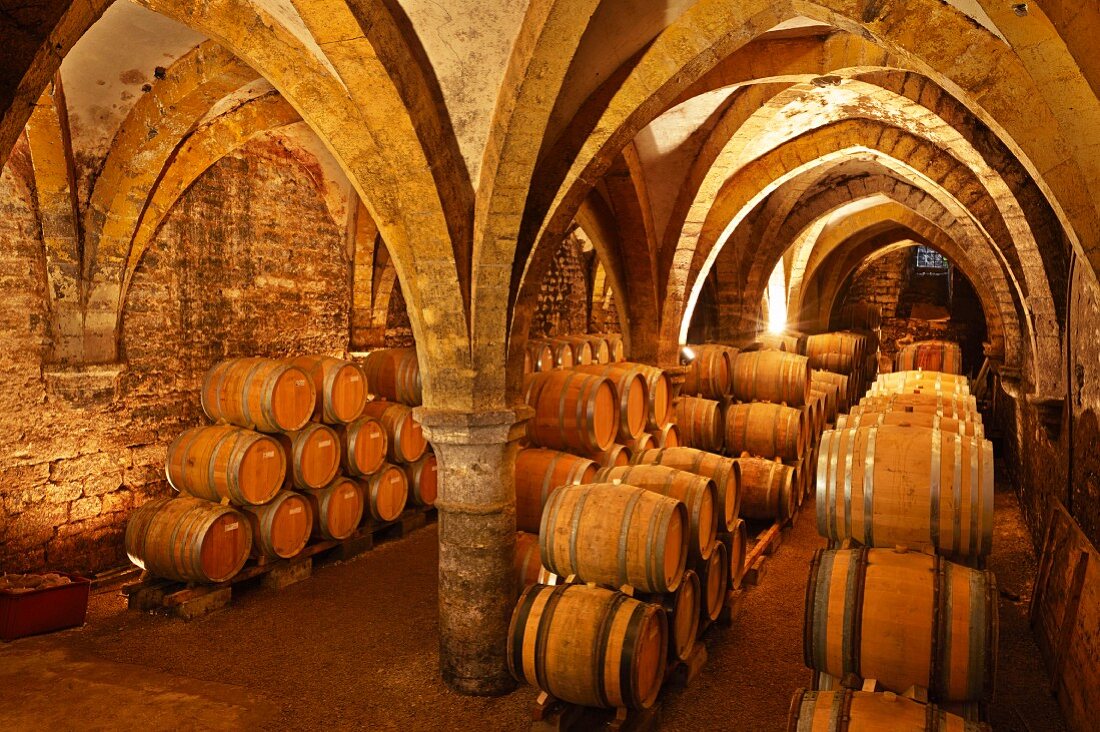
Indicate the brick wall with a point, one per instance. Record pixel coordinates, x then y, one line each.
233 271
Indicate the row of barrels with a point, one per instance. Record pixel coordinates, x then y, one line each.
565 352
931 355
907 619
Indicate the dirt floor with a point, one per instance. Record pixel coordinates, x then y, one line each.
354 647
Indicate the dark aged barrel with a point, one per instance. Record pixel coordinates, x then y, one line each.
616 535
573 411
861 417
526 562
539 473
363 444
709 369
820 378
632 392
942 356
905 619
845 710
404 438
394 374
714 577
312 455
766 430
891 485
700 423
260 393
188 539
696 492
907 382
589 645
337 509
223 461
768 490
280 529
385 493
341 387
682 608
423 478
538 357
772 376
725 473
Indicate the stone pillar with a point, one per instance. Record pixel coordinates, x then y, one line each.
476 455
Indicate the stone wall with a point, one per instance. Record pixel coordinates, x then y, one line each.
233 271
563 295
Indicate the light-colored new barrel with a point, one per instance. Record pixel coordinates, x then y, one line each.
866 417
766 430
188 539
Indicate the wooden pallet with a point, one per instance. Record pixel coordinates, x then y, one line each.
190 600
766 544
554 715
683 672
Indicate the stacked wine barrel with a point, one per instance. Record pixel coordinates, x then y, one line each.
296 452
905 497
849 353
563 352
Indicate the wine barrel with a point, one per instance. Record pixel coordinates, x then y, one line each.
861 417
768 489
846 710
526 562
725 473
582 349
891 485
616 535
259 393
714 577
423 477
312 454
617 347
788 342
766 430
188 539
364 445
682 609
738 550
405 441
385 493
563 353
910 381
951 405
830 397
589 645
708 374
700 423
223 461
539 473
393 374
821 378
341 387
905 619
860 316
697 493
281 528
667 436
632 393
772 376
613 457
840 352
642 442
659 391
538 357
601 352
573 411
798 483
337 509
942 356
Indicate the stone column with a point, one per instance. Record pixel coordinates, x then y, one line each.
476 455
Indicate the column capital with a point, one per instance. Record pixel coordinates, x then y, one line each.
457 427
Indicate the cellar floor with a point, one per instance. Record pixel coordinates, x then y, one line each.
355 647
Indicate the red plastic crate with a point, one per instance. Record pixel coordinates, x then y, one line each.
44 611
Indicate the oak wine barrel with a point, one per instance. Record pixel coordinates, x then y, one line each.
768 489
847 710
821 378
902 618
613 457
696 492
615 535
788 342
910 381
766 430
893 485
725 472
539 473
772 376
860 316
642 442
582 349
405 442
564 357
659 412
682 608
632 393
423 476
526 562
538 356
341 387
589 645
260 393
709 370
312 455
944 356
841 351
700 423
714 577
393 374
281 528
573 411
188 539
861 417
385 493
616 346
830 397
601 351
363 446
667 436
955 406
223 461
337 509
